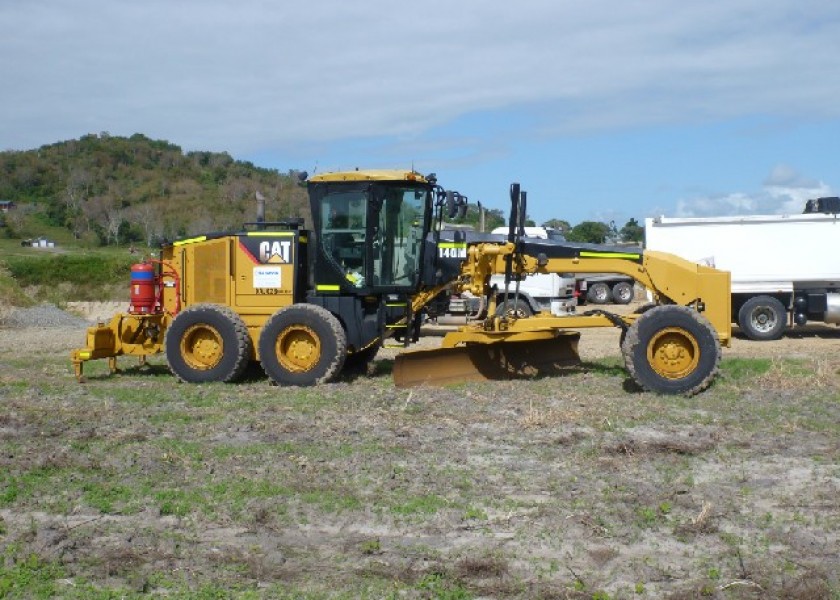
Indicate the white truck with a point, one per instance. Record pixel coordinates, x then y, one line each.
785 269
597 288
538 292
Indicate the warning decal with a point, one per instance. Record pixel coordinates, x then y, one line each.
267 277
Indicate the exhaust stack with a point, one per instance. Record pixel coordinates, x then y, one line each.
260 207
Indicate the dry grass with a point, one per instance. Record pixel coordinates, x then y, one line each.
564 487
821 373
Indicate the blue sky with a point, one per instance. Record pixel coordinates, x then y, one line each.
602 110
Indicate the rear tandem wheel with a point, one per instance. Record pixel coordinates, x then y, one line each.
763 318
207 342
303 344
672 350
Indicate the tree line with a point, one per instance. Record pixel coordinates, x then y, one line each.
107 189
594 232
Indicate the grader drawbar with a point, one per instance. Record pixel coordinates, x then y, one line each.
309 303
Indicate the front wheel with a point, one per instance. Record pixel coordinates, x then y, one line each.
672 350
762 318
302 344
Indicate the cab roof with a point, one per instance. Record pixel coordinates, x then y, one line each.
370 175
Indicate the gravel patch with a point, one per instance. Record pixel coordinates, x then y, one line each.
43 315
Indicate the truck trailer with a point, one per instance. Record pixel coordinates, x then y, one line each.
785 269
534 293
596 288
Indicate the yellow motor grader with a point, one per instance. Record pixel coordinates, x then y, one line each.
306 303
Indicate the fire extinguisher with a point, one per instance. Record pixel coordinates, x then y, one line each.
143 295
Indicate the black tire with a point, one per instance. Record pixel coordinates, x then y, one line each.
207 342
762 318
302 344
358 361
598 293
623 292
519 308
672 350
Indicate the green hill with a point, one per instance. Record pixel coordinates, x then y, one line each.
106 190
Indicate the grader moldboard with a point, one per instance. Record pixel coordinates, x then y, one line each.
308 303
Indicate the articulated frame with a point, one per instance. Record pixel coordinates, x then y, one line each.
671 279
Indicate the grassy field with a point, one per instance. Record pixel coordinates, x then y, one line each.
570 487
62 274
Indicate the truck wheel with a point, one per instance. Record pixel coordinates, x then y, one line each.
623 292
599 293
762 318
672 350
516 309
302 344
207 342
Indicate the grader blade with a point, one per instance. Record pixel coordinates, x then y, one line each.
480 362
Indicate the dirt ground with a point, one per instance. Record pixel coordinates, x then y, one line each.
576 486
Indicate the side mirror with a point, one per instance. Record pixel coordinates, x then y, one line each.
523 211
451 208
462 208
513 219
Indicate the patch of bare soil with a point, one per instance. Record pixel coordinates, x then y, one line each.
97 311
575 486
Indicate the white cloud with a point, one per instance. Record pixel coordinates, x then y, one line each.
785 191
257 74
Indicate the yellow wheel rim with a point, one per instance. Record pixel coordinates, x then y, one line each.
673 353
298 349
202 347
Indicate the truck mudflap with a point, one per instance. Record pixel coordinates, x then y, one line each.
511 358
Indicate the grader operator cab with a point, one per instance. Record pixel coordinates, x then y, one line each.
305 303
